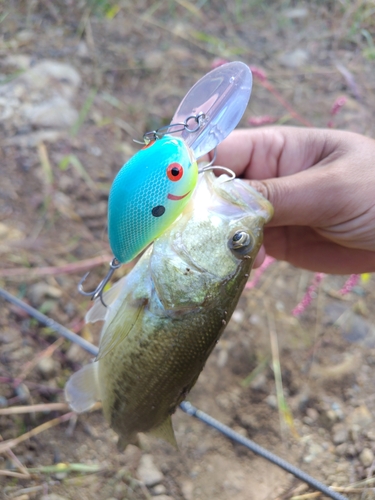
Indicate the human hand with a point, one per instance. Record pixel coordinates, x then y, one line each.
322 186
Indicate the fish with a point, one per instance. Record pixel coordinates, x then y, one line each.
165 317
148 194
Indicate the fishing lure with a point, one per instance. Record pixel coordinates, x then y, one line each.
148 194
153 187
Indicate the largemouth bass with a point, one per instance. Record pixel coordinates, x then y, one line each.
165 317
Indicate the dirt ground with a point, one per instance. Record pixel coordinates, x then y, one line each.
65 132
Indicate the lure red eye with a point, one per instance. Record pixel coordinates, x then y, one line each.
175 172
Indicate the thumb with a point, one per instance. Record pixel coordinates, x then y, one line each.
302 199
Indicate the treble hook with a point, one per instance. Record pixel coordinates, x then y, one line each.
98 292
211 166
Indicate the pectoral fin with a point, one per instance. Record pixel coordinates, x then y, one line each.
165 431
82 389
119 328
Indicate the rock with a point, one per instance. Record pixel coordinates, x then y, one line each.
312 413
54 113
314 450
366 457
187 488
296 13
259 383
159 489
40 97
248 421
48 367
360 416
147 471
164 497
271 400
339 434
33 139
353 327
295 59
341 449
75 354
41 290
20 61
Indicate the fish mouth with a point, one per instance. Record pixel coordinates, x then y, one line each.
174 197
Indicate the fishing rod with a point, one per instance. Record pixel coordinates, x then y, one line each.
185 406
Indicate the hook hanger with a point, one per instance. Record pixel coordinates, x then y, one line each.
174 128
98 292
211 166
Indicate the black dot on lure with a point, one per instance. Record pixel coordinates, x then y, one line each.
158 211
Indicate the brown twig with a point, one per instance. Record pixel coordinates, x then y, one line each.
74 267
46 353
15 460
11 443
15 410
14 474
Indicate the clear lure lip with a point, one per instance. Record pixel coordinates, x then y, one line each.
221 97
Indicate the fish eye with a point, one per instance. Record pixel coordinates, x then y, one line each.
175 172
241 242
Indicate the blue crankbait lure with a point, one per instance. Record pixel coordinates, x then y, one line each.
153 187
148 194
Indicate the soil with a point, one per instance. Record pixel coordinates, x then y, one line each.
136 60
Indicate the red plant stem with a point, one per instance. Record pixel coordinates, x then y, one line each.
349 284
309 295
268 85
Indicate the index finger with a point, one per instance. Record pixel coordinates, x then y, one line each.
275 151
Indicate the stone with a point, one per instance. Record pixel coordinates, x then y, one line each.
341 449
147 471
41 290
41 97
48 367
33 139
366 457
54 113
295 59
187 488
296 13
159 489
75 354
259 383
271 400
339 434
360 416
